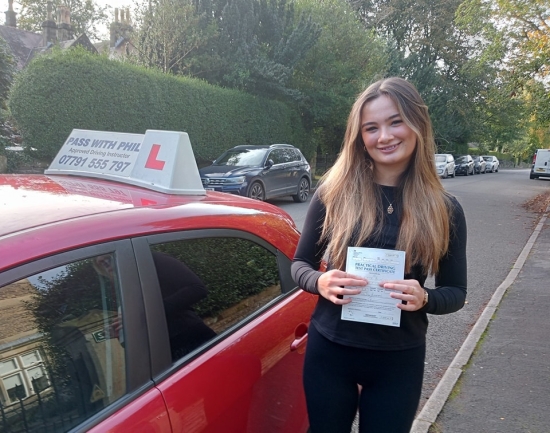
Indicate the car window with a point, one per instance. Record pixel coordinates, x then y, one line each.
245 157
487 158
278 156
440 158
295 155
62 356
462 159
209 285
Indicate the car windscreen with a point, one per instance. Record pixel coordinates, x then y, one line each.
488 158
462 159
440 158
242 157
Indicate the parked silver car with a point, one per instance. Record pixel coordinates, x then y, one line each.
480 166
492 163
445 165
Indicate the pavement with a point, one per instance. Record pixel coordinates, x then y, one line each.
499 381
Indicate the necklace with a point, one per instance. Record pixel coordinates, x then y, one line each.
390 207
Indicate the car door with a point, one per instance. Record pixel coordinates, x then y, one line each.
294 168
542 164
450 164
74 348
276 178
231 359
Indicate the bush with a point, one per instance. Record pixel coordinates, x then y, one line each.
75 89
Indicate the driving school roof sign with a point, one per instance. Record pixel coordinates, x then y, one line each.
158 160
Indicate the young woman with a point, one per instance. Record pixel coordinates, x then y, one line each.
382 192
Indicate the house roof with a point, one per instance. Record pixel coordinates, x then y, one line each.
21 42
26 45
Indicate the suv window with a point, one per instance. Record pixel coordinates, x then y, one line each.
296 155
200 300
62 356
243 157
278 156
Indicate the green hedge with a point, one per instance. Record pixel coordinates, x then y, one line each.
75 89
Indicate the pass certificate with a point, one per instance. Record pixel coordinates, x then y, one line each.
374 304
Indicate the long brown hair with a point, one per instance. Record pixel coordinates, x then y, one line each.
352 198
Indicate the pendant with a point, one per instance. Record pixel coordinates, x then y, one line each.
390 209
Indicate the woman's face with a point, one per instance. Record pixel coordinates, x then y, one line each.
388 139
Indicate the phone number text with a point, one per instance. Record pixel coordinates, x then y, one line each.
100 164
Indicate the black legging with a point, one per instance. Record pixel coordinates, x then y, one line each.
391 386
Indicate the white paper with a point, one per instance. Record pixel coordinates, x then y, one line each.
374 304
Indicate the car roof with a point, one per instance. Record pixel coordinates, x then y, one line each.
262 146
44 214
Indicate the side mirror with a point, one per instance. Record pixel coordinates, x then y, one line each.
269 163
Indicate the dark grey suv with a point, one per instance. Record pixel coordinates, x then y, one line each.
260 172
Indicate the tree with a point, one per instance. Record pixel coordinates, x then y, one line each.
500 118
513 36
170 33
86 15
431 52
7 69
520 29
259 44
345 59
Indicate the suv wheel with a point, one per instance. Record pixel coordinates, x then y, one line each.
303 191
256 191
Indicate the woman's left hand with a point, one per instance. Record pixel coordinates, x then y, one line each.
409 290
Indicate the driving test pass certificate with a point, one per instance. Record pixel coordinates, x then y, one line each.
374 304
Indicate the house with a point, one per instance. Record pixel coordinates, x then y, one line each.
25 45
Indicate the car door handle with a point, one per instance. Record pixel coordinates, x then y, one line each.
301 337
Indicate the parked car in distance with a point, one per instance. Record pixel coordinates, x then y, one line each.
492 163
480 166
134 300
445 165
464 165
260 172
541 164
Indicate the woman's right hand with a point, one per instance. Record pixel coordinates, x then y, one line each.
330 286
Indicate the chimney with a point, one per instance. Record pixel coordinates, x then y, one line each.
49 28
114 30
64 29
11 20
120 28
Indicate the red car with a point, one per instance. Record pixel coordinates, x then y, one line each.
133 300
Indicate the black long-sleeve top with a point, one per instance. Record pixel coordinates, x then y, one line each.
448 296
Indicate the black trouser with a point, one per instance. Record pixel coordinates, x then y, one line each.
391 386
